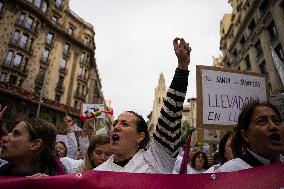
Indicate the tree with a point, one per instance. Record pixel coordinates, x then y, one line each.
186 131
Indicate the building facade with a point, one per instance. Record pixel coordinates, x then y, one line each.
248 35
160 94
47 50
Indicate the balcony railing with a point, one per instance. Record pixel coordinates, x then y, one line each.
80 95
60 88
16 68
22 46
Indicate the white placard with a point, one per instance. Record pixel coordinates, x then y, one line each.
87 108
211 135
225 93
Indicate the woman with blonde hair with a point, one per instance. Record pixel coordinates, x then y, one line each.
98 152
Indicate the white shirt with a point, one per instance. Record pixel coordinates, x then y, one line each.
153 160
72 165
238 164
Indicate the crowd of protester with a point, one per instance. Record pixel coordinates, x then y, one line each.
34 148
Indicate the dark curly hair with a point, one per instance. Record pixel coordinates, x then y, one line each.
239 145
192 162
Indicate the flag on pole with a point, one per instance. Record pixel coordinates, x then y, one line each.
278 64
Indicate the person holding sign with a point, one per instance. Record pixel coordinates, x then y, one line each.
258 139
130 142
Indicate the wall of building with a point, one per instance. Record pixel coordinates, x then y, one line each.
254 27
81 83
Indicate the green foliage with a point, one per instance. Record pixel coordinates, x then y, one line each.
186 131
45 116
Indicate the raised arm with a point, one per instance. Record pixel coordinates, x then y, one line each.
168 129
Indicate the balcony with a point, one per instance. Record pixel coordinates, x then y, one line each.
83 79
63 70
80 96
9 66
39 80
42 16
66 53
60 88
27 28
49 43
22 47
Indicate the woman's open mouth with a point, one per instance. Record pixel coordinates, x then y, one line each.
275 138
115 138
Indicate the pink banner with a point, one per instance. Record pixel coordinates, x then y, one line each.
269 177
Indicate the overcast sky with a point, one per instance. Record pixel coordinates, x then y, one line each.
134 44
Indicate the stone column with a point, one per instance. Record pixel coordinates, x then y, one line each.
253 59
278 17
243 65
276 85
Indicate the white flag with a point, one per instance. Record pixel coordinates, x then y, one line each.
278 64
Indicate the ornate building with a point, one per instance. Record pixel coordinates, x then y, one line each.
46 49
188 114
247 35
160 94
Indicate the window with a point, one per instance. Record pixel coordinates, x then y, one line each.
76 104
18 60
70 31
58 3
263 68
13 80
66 48
13 59
29 23
86 40
23 41
15 37
45 56
279 52
21 19
57 98
252 25
80 73
41 73
78 88
9 58
29 44
63 64
272 30
37 3
1 6
60 82
44 6
3 77
83 89
54 19
49 38
82 57
248 65
258 48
